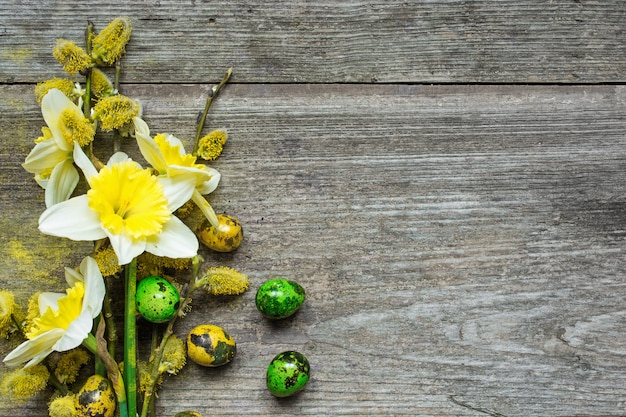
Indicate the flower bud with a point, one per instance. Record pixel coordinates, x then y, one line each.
223 280
24 383
211 145
116 112
110 44
8 308
101 85
65 85
72 57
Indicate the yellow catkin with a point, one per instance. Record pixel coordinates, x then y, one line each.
32 312
186 209
69 365
115 112
24 383
159 262
65 85
8 308
211 145
107 262
72 57
75 127
63 407
101 85
223 280
110 44
174 356
145 378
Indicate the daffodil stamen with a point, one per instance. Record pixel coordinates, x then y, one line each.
128 199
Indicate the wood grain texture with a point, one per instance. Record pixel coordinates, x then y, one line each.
462 246
329 41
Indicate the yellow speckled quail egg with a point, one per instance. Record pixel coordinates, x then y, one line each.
210 345
226 237
96 398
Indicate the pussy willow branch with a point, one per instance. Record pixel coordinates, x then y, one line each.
213 94
158 354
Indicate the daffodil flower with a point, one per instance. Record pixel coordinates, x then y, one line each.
51 160
166 154
65 319
128 205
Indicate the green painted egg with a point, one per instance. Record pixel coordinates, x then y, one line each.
96 398
157 299
279 298
288 373
210 345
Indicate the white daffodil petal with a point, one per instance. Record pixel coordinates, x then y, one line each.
125 247
52 105
94 286
177 190
118 157
148 146
141 127
83 162
43 182
75 334
43 156
73 276
200 175
49 299
63 181
175 241
34 350
72 219
209 186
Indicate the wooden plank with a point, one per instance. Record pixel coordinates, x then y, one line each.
462 246
329 41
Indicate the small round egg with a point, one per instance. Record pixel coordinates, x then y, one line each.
288 373
225 238
210 345
188 414
279 298
96 398
157 300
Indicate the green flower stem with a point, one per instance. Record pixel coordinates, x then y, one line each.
87 102
213 94
92 344
118 72
130 338
109 320
117 138
87 99
157 355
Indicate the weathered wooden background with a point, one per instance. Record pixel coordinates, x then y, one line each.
445 178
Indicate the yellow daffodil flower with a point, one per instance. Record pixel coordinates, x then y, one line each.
51 160
128 205
65 320
167 155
